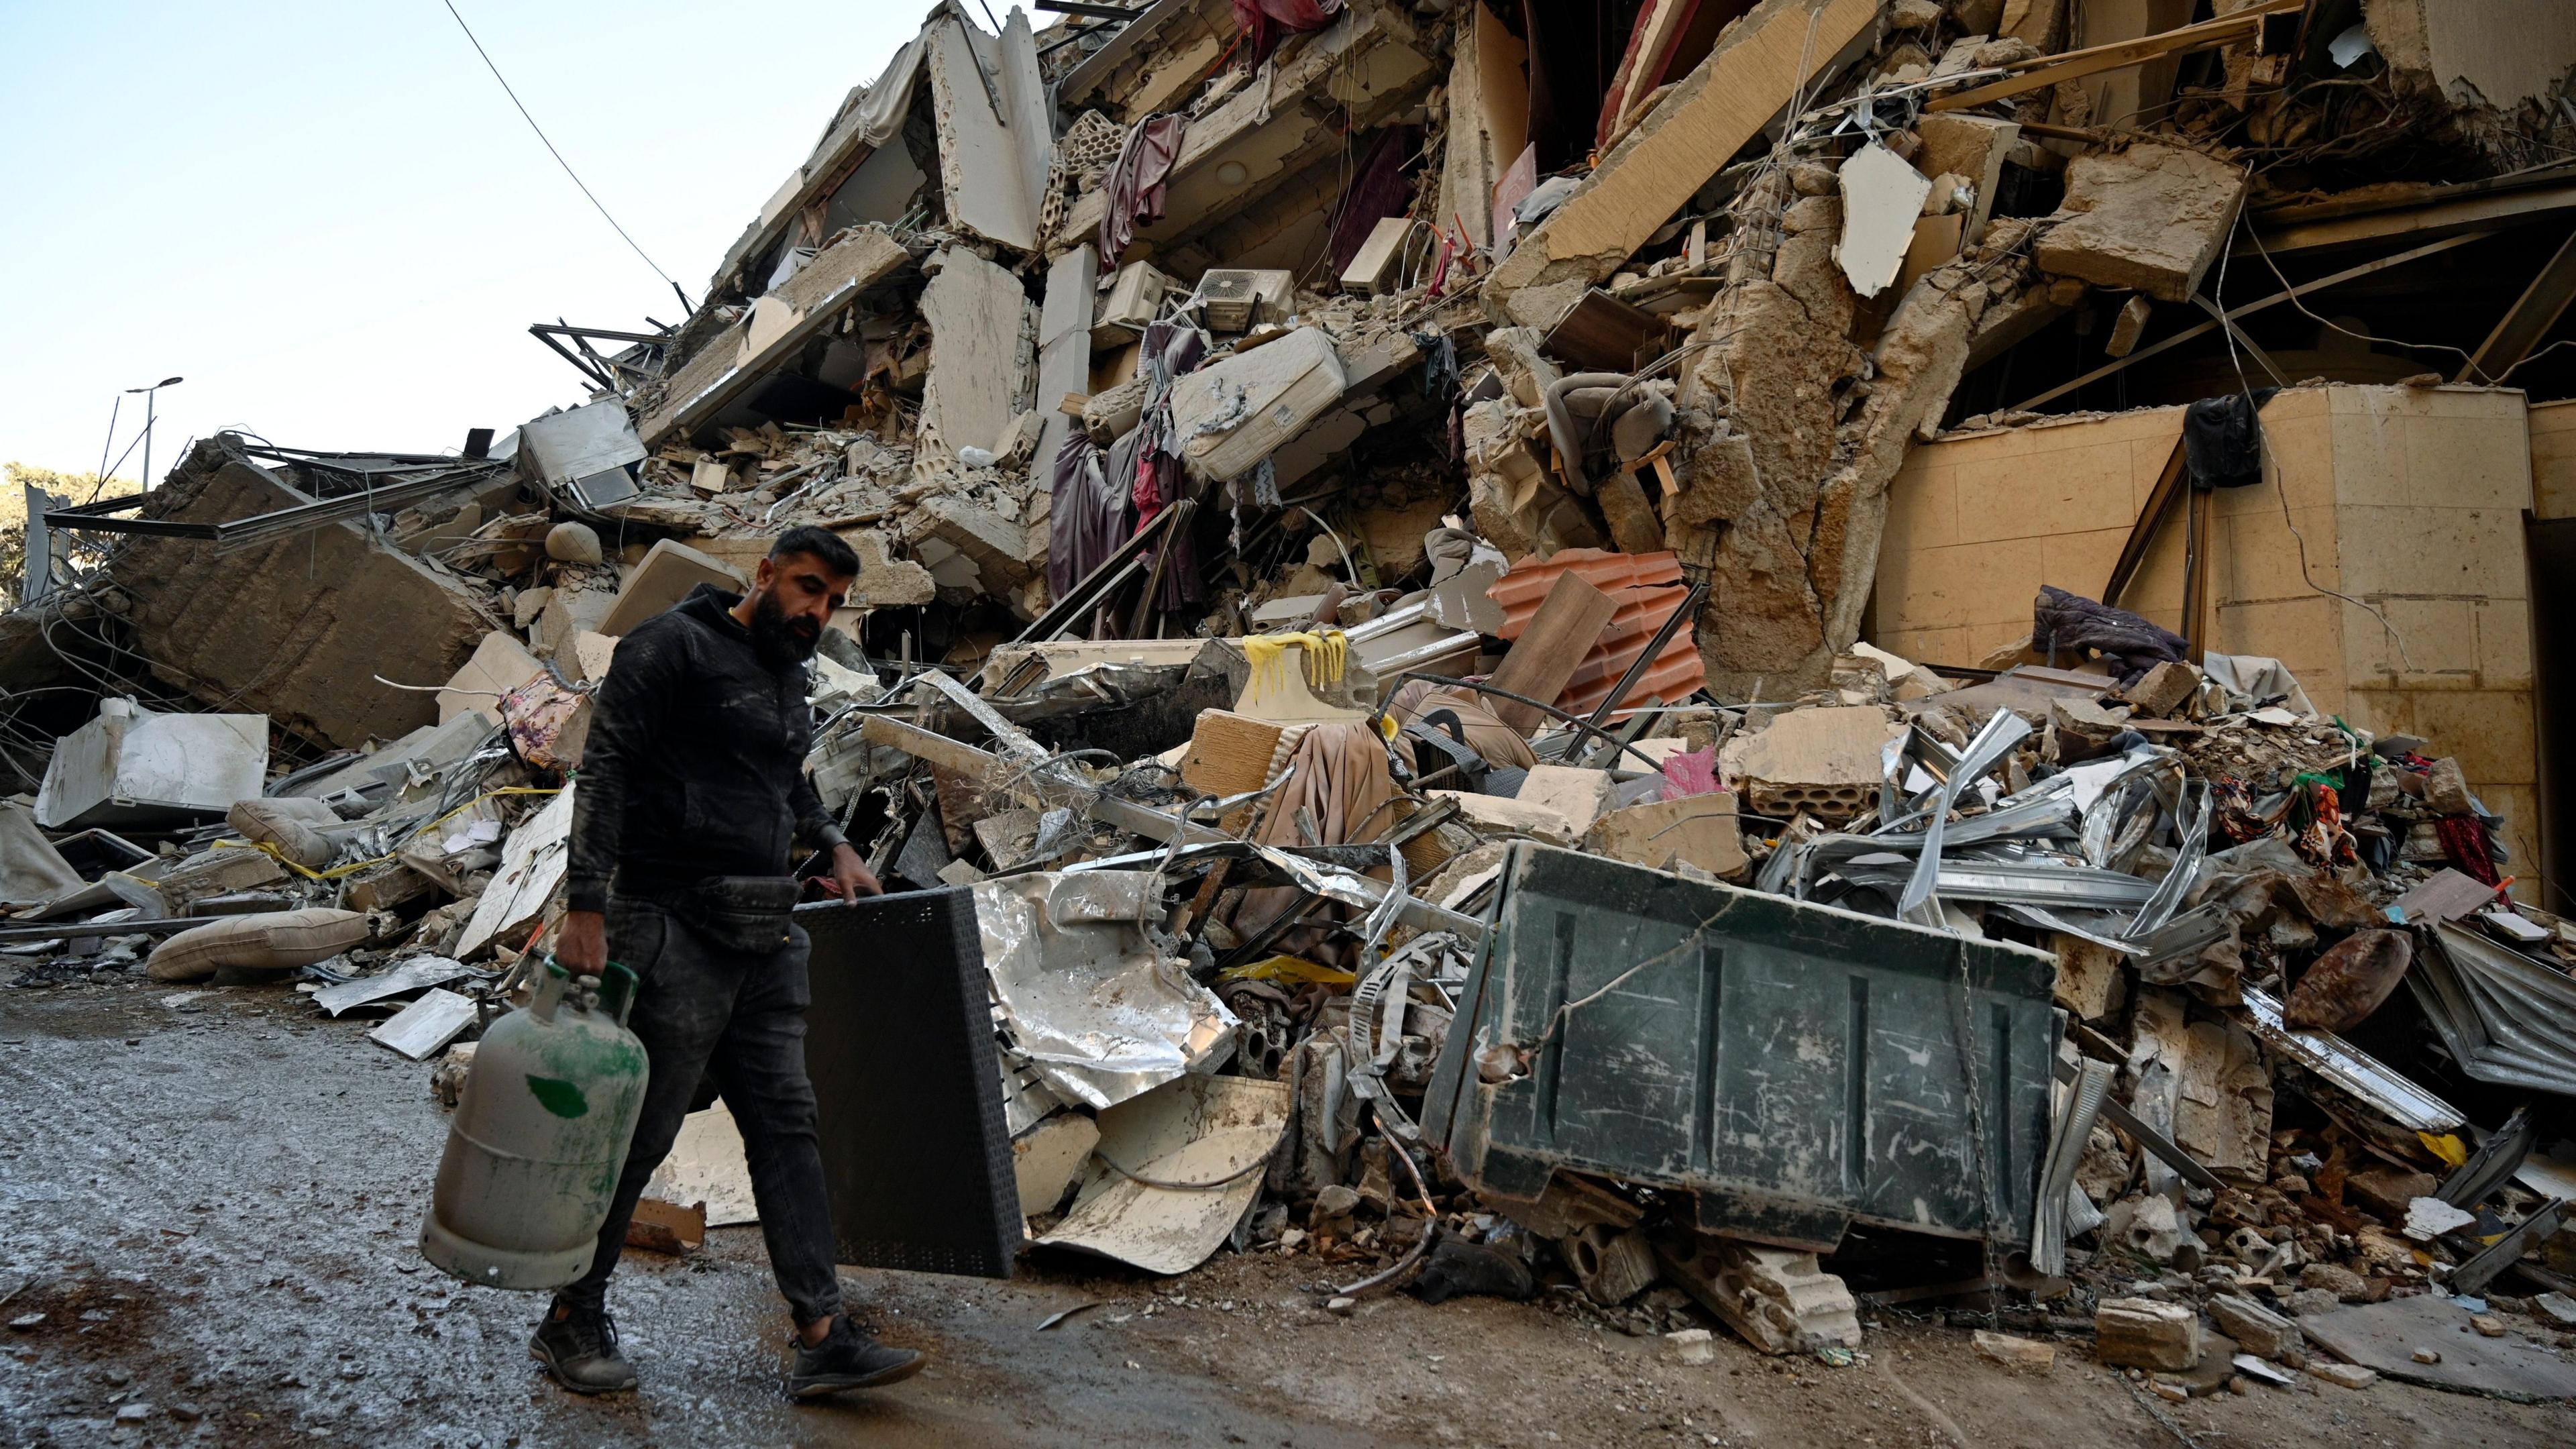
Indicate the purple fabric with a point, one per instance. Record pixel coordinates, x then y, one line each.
1136 182
1089 517
1172 349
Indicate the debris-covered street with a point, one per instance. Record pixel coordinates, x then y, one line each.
216 1214
1345 721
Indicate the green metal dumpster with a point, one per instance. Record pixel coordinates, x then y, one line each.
1796 1068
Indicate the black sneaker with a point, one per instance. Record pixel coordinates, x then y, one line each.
578 1346
848 1359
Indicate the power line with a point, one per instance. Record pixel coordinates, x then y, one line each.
558 155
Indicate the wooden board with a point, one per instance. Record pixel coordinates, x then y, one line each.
1229 753
1568 623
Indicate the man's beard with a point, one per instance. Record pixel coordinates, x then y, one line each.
779 641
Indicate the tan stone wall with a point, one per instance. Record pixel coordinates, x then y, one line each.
2408 499
2553 459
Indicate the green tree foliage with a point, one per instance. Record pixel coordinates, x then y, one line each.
72 487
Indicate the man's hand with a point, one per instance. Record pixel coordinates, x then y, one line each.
850 877
581 944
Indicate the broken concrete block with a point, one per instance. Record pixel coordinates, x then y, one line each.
2343 1375
1780 1301
1001 552
885 581
1970 146
2446 789
1494 813
1612 1266
2143 1333
568 614
1700 830
2084 728
668 574
1693 1345
2015 1352
2163 689
983 344
131 766
591 656
2149 217
499 664
1823 761
2257 1329
2129 326
1577 794
1234 413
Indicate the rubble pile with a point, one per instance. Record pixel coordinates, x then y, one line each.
1363 583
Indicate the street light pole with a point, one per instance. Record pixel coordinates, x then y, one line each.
151 399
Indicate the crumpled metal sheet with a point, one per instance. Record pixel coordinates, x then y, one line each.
2503 1017
2350 1068
1082 994
1213 1134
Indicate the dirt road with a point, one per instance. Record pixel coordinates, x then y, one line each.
211 1197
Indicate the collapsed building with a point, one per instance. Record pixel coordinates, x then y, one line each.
1481 569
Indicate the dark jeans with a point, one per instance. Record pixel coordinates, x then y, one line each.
738 1020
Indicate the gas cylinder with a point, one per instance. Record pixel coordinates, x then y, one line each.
540 1136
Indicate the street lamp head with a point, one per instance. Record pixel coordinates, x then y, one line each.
165 382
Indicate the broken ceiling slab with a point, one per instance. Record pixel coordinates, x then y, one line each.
718 375
1320 88
981 348
2150 218
1746 80
302 625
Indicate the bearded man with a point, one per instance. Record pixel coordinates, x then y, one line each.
689 799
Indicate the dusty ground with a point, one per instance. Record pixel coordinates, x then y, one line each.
212 1196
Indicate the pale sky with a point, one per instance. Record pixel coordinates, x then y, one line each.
329 219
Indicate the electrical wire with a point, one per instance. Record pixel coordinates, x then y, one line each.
558 155
2227 329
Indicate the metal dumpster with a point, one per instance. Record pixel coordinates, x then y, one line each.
1796 1067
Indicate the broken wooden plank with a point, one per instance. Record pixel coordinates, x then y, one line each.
2041 72
1542 661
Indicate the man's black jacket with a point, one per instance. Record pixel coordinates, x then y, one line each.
695 765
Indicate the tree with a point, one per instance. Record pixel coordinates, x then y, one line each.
69 487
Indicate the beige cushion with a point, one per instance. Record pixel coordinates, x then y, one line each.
274 940
292 824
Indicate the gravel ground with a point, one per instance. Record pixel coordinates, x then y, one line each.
211 1197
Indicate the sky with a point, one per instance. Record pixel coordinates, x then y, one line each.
329 219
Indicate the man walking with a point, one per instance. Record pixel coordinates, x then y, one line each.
691 791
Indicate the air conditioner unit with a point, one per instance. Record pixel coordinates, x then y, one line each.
1235 298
